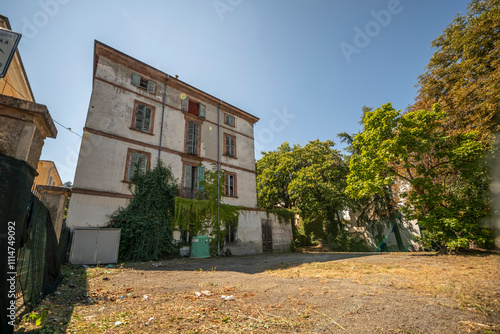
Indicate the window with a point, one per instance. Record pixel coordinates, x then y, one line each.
230 146
229 184
142 83
231 229
192 137
229 120
193 177
136 161
142 118
194 108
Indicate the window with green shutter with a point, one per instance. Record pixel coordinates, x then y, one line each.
193 177
230 184
142 83
192 137
193 107
143 118
230 146
200 171
137 162
229 120
203 111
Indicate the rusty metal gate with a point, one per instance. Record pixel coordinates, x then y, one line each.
267 236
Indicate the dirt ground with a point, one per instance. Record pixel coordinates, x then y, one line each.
280 293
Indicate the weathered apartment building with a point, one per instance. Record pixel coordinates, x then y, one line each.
138 113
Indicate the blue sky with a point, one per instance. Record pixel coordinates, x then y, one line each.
304 67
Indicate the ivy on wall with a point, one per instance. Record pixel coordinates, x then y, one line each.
147 221
200 215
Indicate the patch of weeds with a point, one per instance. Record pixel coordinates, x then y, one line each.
226 319
36 318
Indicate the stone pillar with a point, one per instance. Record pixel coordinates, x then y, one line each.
24 126
54 198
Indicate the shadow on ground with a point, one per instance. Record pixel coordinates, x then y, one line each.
245 264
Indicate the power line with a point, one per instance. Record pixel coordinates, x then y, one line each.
69 129
14 88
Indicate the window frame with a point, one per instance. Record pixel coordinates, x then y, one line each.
227 176
225 145
127 162
232 231
195 184
226 115
198 144
144 84
201 108
151 122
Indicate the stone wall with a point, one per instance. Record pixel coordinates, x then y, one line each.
24 126
55 198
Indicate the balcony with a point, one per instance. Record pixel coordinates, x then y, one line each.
190 193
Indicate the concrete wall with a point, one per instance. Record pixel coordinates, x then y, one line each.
249 233
408 230
55 198
91 211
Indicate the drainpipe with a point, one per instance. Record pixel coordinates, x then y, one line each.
218 177
162 116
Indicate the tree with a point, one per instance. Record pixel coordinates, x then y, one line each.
309 179
319 180
463 75
146 222
274 174
431 168
372 210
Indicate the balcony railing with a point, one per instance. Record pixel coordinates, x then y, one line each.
190 193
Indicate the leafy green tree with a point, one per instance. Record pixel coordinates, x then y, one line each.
318 183
274 174
310 180
146 222
431 168
463 75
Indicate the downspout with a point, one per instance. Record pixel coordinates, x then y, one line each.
162 116
218 177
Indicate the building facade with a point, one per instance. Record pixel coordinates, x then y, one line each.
47 174
137 115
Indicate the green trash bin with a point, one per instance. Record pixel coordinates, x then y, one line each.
200 246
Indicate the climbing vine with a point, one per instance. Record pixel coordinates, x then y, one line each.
200 215
146 222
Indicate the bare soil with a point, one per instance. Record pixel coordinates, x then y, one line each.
280 293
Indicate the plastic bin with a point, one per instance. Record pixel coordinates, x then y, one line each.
200 246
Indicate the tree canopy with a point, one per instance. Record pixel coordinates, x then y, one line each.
310 178
463 75
441 178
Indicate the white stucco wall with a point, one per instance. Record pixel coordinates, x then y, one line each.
103 157
91 211
249 233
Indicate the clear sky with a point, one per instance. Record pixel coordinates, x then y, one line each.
304 67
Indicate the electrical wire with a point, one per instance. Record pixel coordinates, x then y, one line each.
65 127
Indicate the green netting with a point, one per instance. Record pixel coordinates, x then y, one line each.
36 246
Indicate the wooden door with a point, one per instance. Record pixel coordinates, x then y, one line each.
267 236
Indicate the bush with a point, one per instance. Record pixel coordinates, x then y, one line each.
146 231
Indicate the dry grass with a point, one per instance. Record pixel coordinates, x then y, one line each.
473 281
102 300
